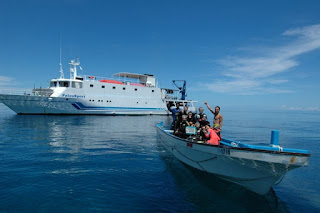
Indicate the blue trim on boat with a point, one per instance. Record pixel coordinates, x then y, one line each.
81 106
242 146
268 148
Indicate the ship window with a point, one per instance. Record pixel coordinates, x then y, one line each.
135 89
153 90
63 83
113 87
91 85
102 86
53 84
124 88
77 85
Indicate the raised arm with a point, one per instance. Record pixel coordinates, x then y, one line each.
206 103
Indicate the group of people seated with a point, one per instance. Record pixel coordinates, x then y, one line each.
203 131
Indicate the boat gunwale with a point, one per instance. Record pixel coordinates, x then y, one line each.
235 148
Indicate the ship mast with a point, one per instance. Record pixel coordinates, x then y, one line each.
73 68
61 70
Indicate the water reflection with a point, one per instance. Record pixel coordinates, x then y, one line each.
75 134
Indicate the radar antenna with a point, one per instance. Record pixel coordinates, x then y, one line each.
73 68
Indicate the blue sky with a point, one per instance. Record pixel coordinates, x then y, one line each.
232 53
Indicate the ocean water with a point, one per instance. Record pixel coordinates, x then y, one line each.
117 164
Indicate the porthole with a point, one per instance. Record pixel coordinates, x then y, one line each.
124 88
135 89
102 86
91 85
113 87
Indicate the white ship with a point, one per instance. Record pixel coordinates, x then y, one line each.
126 94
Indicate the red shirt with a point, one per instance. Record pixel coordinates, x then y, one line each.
214 138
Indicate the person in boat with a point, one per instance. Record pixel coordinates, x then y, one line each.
211 135
202 134
181 129
191 118
199 133
200 114
197 125
175 113
204 121
183 112
218 118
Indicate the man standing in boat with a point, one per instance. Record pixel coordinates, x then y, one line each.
175 113
218 118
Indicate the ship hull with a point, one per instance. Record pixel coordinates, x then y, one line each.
26 104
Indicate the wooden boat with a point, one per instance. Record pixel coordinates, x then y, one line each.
257 168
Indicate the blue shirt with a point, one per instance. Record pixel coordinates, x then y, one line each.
175 113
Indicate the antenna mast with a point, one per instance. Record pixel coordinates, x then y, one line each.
73 68
61 70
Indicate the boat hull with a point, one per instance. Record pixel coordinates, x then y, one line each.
255 170
26 104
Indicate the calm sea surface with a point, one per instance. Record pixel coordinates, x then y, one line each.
116 164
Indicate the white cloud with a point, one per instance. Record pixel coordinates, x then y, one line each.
298 108
6 86
258 74
5 80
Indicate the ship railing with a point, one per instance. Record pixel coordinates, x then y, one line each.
173 96
120 79
42 92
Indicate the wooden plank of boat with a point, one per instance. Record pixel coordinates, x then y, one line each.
257 168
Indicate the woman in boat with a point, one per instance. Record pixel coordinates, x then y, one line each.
204 121
181 129
191 119
214 139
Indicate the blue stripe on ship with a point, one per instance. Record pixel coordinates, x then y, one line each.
80 106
